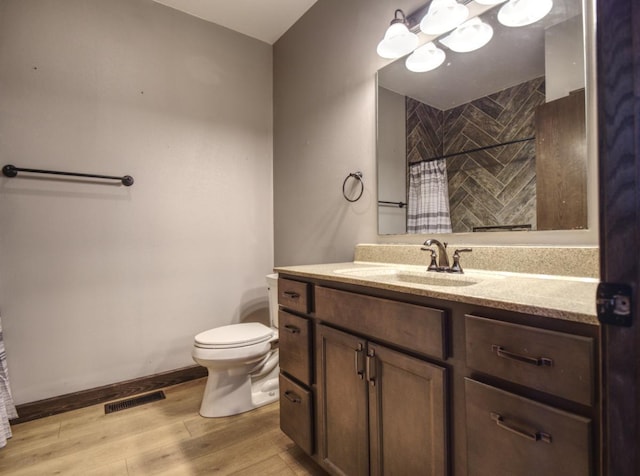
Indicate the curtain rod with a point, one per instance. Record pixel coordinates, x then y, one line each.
446 156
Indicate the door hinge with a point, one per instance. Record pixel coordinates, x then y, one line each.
613 304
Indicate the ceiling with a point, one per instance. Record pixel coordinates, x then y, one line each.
265 20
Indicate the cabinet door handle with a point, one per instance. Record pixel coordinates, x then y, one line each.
371 368
291 294
292 397
292 329
537 361
358 361
532 435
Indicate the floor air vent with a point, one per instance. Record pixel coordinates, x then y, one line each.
133 402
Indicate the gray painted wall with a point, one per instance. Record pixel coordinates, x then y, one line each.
102 283
324 124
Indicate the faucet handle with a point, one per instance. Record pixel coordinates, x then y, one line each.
456 268
433 266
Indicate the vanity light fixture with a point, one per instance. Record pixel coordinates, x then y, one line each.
469 36
446 15
443 16
523 12
425 58
398 40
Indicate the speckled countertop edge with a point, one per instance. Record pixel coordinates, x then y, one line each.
558 297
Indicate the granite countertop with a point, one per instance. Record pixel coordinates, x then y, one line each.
560 297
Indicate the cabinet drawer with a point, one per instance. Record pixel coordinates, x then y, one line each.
295 346
417 328
296 413
553 362
511 435
293 295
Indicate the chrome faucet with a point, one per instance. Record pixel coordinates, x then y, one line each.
443 258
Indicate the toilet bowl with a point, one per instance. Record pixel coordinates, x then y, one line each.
241 361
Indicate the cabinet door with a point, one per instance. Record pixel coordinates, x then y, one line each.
343 444
407 414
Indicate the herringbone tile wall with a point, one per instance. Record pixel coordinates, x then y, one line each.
495 186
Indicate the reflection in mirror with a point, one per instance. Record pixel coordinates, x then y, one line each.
491 140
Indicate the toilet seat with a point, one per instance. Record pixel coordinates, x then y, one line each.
234 335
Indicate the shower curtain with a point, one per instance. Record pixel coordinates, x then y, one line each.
428 206
7 407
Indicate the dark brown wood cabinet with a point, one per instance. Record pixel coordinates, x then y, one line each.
554 362
407 414
383 383
380 411
295 346
296 363
511 435
343 440
296 412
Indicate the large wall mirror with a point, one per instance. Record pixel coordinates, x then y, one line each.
491 140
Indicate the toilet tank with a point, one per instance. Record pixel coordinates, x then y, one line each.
272 289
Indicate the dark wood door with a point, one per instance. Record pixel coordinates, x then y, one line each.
343 443
618 57
561 166
407 414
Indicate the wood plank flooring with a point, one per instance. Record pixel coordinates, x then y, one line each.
167 437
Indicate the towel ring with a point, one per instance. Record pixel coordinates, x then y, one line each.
358 177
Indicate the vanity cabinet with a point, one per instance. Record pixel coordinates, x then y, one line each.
377 381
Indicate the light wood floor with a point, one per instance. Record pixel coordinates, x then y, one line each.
166 437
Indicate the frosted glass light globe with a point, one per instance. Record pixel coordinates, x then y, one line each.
398 41
425 58
443 16
524 12
469 36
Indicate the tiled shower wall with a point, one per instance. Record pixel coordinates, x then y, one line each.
495 186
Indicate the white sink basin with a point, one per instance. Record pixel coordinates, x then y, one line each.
426 278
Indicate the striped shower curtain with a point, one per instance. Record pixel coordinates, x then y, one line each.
7 408
428 207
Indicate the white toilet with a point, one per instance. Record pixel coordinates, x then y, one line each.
243 366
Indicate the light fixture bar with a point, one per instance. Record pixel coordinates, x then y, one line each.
413 19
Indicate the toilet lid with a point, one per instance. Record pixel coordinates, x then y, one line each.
234 335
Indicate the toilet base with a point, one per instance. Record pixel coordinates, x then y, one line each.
229 393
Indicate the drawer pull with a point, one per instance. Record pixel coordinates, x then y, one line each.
505 354
532 435
291 294
292 329
292 397
371 367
